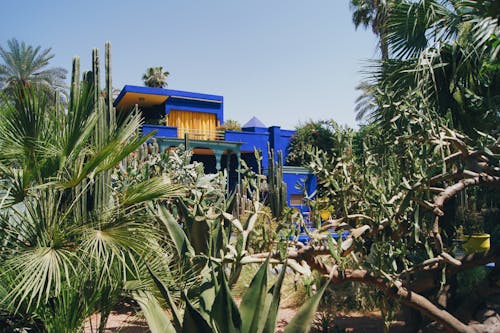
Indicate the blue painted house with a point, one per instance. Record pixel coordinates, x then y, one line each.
180 115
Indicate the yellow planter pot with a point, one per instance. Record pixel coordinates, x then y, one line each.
325 215
476 243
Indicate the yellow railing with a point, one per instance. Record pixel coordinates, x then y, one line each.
197 134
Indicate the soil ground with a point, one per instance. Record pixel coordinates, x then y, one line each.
129 322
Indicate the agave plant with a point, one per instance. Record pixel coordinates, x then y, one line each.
211 307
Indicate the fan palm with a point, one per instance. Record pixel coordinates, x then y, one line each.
26 66
448 52
66 248
155 77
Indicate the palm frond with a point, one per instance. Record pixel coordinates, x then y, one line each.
151 189
415 26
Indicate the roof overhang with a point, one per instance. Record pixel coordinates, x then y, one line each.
149 97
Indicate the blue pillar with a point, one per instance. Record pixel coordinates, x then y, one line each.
274 138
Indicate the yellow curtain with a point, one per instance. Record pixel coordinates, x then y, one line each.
201 126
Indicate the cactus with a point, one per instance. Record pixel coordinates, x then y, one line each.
106 125
276 185
109 88
81 203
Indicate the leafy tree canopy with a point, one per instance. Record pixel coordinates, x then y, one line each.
310 136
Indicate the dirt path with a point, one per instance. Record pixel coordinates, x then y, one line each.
352 322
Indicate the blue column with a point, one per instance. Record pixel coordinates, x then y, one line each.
274 137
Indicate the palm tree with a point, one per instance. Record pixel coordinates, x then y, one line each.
27 66
373 13
155 77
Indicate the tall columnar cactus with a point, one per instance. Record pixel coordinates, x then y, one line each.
276 185
106 124
79 191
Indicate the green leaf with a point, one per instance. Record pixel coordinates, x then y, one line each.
193 320
157 319
303 319
225 313
206 294
150 189
334 248
272 310
252 303
182 244
168 298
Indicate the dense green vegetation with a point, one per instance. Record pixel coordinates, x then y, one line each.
66 245
84 225
427 154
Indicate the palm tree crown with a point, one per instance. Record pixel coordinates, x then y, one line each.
155 77
374 14
26 66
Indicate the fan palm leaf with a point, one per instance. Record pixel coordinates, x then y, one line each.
45 256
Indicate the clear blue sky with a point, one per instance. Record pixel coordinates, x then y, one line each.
285 61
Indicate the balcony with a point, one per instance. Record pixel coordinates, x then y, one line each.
174 132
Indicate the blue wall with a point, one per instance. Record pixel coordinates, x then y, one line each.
293 176
164 131
261 139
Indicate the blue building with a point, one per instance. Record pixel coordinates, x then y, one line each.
181 116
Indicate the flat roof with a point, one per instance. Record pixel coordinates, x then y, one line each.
148 97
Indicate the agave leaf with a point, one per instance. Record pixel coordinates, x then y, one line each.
206 295
250 223
252 303
275 294
200 233
157 319
168 298
225 313
233 220
303 319
193 320
182 244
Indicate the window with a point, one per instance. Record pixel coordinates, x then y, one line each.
296 199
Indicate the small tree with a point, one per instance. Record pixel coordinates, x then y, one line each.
230 125
309 136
